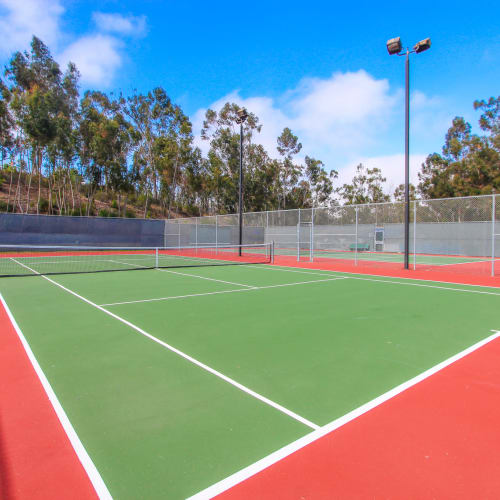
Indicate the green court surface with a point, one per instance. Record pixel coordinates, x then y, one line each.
419 259
316 344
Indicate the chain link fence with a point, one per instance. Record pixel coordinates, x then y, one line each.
460 235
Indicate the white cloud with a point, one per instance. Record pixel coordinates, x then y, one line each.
392 167
272 119
429 117
116 23
347 110
344 120
21 19
335 119
97 57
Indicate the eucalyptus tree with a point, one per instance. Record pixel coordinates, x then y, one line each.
107 139
288 147
261 175
469 164
490 120
321 183
165 143
366 187
221 129
6 123
44 103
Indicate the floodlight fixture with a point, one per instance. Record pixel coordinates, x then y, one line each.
422 45
394 46
242 115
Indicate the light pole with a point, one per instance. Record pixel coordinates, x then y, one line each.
394 46
242 116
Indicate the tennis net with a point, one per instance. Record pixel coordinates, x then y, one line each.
24 260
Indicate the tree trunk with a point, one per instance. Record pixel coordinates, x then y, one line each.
146 204
49 209
39 169
10 184
29 184
68 173
17 197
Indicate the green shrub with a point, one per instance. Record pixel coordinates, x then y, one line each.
101 196
43 205
130 214
114 204
4 207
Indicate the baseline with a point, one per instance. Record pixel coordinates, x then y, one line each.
287 450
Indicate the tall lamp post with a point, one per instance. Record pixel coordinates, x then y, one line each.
395 47
242 116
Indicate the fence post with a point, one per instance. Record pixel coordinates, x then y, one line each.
356 240
311 243
196 232
179 235
298 239
493 234
414 234
216 235
156 258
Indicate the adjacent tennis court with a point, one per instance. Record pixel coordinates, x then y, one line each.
175 378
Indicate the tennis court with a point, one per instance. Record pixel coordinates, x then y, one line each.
390 257
175 378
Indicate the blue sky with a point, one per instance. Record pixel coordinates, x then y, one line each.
320 68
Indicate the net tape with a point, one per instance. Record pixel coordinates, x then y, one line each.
24 260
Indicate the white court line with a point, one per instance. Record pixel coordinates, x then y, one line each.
280 454
174 297
223 291
456 263
350 273
203 277
356 276
189 358
81 452
185 274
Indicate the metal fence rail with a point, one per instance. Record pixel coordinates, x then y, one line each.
455 234
459 235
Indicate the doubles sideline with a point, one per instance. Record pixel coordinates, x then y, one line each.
381 279
187 357
302 442
81 452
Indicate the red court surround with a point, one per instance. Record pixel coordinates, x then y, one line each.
37 460
440 439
